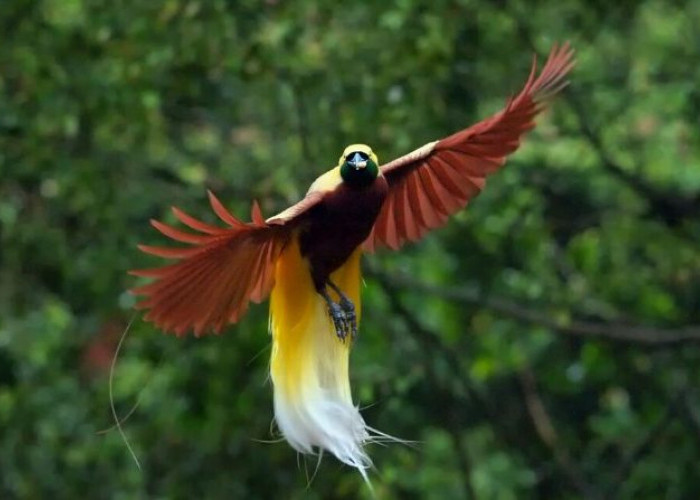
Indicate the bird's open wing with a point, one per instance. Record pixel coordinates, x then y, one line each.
429 184
221 271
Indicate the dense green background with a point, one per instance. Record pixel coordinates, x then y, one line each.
539 346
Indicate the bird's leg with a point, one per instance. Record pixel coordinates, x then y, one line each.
337 314
348 307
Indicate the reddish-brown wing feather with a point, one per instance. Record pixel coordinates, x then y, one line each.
429 184
215 278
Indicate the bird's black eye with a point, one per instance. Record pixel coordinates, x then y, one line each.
351 156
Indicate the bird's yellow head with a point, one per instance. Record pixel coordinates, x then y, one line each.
359 166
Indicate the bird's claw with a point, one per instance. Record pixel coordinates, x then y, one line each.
339 319
344 319
350 316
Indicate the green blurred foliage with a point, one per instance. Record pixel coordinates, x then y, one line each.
111 112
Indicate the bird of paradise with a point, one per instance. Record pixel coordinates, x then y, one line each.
307 260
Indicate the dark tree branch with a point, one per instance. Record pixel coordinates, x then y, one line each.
478 403
670 206
302 120
463 459
692 413
639 334
643 446
544 427
430 341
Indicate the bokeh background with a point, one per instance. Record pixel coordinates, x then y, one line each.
542 345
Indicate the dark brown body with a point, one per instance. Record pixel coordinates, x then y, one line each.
338 225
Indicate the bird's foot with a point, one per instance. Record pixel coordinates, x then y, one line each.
342 313
350 315
340 320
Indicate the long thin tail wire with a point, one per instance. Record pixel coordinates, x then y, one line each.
117 422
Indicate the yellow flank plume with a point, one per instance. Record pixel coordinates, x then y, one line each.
309 364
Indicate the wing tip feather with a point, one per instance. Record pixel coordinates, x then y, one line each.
484 147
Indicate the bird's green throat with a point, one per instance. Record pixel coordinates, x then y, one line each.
359 177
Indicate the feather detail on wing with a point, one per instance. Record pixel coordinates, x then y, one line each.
222 270
429 184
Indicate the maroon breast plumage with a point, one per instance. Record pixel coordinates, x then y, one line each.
340 223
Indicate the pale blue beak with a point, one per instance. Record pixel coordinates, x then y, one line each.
357 160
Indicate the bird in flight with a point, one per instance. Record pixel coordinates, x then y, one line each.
307 260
